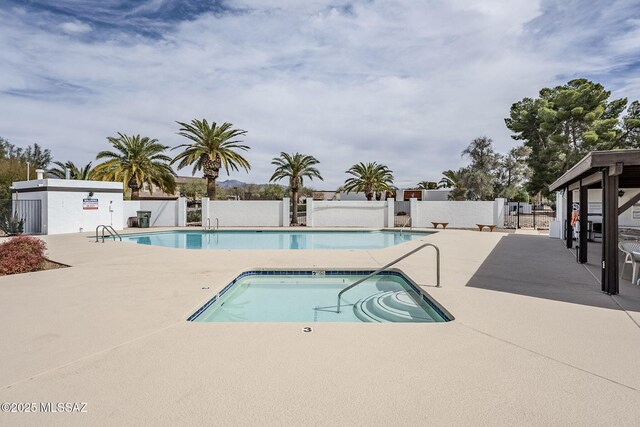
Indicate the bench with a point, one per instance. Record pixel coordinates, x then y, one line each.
436 224
489 226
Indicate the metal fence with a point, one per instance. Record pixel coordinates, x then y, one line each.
402 214
526 215
29 211
194 213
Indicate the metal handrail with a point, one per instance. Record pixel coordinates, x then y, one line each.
111 231
215 227
405 224
395 261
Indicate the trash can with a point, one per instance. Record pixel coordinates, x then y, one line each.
144 218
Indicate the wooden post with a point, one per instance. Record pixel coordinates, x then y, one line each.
584 221
569 228
609 282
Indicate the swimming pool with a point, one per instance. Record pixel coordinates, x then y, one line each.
273 239
310 296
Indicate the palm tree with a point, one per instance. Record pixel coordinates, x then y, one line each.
295 167
75 172
451 179
427 185
369 178
136 160
211 148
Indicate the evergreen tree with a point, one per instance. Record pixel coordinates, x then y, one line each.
565 123
37 157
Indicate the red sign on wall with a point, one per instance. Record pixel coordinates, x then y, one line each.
89 204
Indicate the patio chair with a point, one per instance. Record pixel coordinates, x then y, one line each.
632 256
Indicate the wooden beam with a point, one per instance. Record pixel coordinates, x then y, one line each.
572 174
617 169
585 182
584 217
609 267
632 201
611 157
596 160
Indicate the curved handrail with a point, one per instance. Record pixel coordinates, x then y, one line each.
215 226
111 231
405 224
395 261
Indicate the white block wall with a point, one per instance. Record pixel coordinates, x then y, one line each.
164 213
248 213
347 214
463 214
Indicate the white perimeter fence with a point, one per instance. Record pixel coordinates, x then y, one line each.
246 213
164 213
372 214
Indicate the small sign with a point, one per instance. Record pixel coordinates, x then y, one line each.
89 204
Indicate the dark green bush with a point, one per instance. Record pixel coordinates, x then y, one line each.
11 224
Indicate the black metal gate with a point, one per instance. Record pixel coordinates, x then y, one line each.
194 213
527 215
402 214
27 211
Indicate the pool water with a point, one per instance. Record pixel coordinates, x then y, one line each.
273 239
311 296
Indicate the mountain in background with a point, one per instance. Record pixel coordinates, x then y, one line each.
230 183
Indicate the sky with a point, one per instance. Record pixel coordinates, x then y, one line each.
404 83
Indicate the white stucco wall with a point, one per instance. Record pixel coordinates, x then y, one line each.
63 208
164 213
249 213
348 197
625 219
441 195
463 214
348 214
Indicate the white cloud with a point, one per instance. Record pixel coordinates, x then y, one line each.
406 83
74 27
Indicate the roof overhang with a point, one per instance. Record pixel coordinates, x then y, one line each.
588 171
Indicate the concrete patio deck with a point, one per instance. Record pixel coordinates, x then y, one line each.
534 341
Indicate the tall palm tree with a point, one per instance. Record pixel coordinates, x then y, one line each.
211 148
369 178
427 185
295 167
451 179
136 160
75 172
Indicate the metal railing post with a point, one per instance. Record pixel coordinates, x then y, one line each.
395 261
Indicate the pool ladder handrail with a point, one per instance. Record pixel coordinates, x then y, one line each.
109 229
208 226
395 261
405 224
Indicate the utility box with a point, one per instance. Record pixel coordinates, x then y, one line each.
144 218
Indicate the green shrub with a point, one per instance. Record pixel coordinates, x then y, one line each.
11 224
21 254
194 216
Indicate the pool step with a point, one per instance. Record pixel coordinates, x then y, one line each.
391 306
